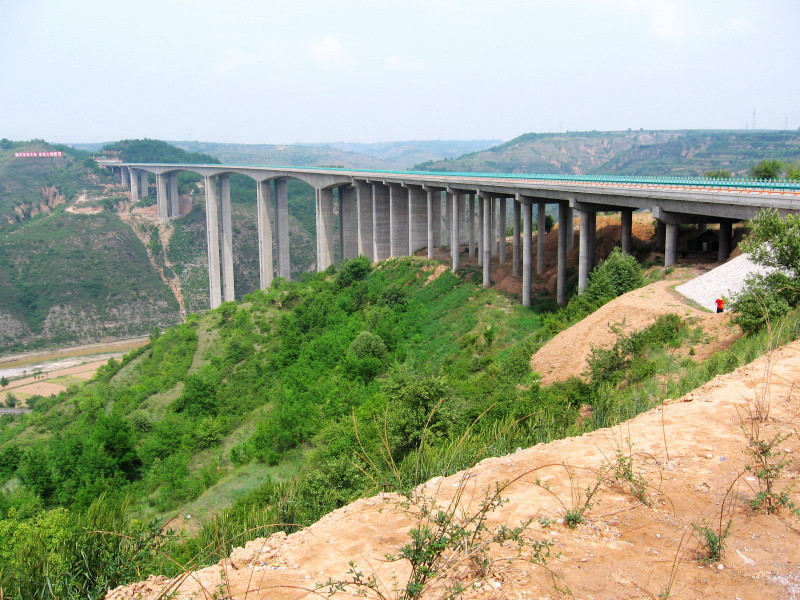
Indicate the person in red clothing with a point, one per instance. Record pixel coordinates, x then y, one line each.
720 304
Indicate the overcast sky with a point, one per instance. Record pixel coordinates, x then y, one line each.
380 70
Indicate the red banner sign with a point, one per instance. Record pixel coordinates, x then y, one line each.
36 154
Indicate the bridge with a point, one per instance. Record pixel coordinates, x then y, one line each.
384 214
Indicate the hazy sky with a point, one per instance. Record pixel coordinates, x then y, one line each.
378 70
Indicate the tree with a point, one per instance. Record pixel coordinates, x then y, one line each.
3 381
549 223
774 242
793 171
767 169
718 174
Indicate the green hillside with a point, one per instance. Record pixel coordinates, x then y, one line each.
682 153
34 185
68 277
297 401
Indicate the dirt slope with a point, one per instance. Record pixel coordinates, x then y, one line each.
690 452
566 354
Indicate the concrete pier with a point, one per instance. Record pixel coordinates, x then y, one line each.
435 194
501 229
493 227
431 224
586 247
282 227
398 219
570 228
228 293
382 248
479 237
417 218
541 225
325 235
516 258
162 202
527 218
348 221
212 242
263 211
564 227
671 244
134 178
661 232
725 240
471 202
487 240
144 184
456 199
125 175
365 220
626 233
448 217
174 196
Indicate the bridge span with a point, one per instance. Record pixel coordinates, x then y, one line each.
384 214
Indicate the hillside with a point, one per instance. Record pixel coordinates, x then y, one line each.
68 277
686 153
656 477
400 155
403 154
30 186
82 263
569 352
296 402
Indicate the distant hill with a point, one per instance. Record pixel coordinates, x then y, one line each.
380 155
404 154
684 152
293 155
34 185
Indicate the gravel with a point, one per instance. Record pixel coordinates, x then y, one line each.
725 281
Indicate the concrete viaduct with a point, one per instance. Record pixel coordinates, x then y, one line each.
384 214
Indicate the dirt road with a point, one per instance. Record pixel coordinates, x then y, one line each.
567 353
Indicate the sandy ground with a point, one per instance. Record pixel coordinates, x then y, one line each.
691 453
42 358
43 385
567 353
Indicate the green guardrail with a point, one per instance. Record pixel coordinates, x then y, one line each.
732 183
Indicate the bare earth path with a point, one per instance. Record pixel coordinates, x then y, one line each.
567 353
690 452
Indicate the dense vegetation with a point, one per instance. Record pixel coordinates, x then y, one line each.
156 151
25 182
774 243
62 273
301 399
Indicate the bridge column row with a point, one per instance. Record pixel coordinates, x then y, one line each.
167 198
